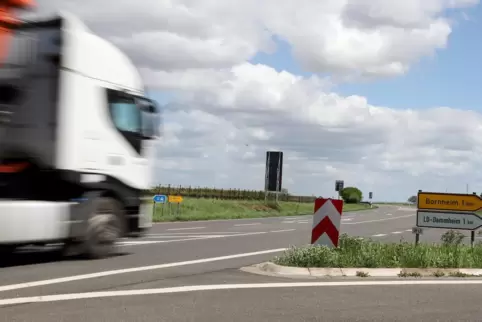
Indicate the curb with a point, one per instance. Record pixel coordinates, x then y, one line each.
271 269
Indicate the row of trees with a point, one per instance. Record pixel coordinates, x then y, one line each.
231 194
348 194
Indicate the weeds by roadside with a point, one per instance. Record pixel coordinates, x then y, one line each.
356 252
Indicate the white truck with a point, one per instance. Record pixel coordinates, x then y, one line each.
77 135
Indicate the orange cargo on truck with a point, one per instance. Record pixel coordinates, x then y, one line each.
7 17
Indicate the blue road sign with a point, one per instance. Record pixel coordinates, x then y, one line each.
159 198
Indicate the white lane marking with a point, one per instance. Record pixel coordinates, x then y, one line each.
196 238
347 219
197 288
377 220
408 230
295 218
281 231
252 224
134 270
188 228
389 215
303 222
197 233
187 236
288 222
142 242
397 232
379 235
230 220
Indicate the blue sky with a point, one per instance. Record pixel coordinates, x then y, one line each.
453 77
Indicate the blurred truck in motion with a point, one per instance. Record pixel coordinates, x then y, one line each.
77 135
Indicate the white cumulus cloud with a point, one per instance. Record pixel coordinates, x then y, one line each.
225 112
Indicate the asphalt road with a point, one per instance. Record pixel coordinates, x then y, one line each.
190 272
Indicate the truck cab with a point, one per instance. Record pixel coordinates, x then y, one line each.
77 139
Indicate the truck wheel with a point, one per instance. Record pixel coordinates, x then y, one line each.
7 250
104 228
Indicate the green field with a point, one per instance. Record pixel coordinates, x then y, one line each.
192 209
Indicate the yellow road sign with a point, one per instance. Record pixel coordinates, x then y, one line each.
175 199
448 201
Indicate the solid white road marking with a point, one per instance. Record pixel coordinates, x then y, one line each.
134 270
303 222
288 222
147 242
281 231
192 237
187 236
197 288
379 235
408 230
188 228
197 233
232 220
347 219
251 224
397 232
135 243
377 220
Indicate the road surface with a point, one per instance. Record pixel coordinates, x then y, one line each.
190 272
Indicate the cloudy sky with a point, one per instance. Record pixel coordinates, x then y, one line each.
383 94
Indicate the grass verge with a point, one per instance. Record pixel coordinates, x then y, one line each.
192 209
356 252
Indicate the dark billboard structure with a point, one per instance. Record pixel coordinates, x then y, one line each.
274 171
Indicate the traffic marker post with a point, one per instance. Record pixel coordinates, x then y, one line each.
326 222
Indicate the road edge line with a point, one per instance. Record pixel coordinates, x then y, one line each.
4 288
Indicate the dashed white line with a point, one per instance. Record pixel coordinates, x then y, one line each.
197 233
281 231
379 235
251 224
189 228
194 288
197 238
378 220
133 270
188 236
397 232
288 222
408 230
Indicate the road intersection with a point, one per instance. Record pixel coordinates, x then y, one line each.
189 271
